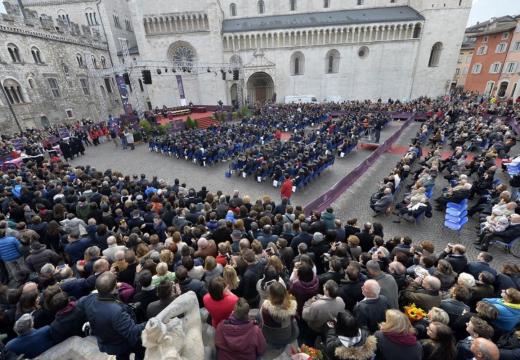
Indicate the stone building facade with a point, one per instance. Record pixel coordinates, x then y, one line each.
51 72
463 64
330 49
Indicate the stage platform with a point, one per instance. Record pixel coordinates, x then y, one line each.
204 120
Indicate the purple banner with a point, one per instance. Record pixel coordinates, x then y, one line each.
181 87
64 133
324 201
123 91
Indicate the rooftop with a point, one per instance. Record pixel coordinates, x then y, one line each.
326 18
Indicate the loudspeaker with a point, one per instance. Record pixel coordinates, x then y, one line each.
127 78
236 74
147 77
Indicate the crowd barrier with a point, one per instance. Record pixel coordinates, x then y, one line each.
323 201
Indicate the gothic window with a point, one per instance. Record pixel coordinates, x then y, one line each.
13 90
332 62
84 86
55 88
417 31
297 63
435 55
103 62
292 5
326 3
183 56
108 85
80 61
14 52
36 55
94 62
261 6
233 9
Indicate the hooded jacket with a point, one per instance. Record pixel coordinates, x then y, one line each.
239 340
508 314
279 324
362 347
303 291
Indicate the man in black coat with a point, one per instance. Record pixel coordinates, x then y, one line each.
366 239
302 237
146 295
371 311
247 286
350 288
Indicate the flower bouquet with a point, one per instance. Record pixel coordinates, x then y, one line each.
306 353
414 313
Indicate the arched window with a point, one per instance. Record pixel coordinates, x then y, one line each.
14 52
103 92
502 88
233 9
103 62
332 62
297 63
36 55
326 3
435 55
261 6
292 5
417 31
79 58
14 92
182 55
94 62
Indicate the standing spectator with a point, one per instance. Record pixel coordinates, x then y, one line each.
396 338
304 284
484 349
111 321
370 311
386 282
30 342
476 327
321 309
441 342
286 189
166 294
219 301
40 256
11 256
239 338
423 292
508 309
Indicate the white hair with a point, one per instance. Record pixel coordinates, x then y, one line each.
466 279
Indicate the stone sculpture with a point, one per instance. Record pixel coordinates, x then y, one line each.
170 337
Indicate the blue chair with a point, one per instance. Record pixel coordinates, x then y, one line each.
457 226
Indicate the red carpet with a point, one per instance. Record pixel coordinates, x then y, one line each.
203 119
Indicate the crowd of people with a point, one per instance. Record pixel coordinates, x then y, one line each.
78 246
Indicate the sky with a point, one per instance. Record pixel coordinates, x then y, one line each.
482 10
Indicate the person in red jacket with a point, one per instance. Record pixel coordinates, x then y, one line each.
239 338
219 301
286 189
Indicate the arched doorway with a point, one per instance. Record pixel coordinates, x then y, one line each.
234 95
260 88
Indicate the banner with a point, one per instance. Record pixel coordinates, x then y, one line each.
182 95
123 91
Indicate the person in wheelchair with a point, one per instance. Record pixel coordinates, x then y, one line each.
511 233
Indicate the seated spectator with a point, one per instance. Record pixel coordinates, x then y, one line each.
476 328
508 310
238 337
321 309
370 311
166 293
396 338
384 203
219 301
30 342
423 292
345 340
510 233
441 342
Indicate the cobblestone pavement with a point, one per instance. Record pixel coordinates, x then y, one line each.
140 160
354 203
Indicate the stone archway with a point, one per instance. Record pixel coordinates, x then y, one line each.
260 88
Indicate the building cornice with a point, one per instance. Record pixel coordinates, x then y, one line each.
54 2
49 36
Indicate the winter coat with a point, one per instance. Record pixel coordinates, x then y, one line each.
321 309
303 291
40 257
509 346
397 346
350 291
370 312
279 325
421 297
388 288
508 314
349 349
329 219
247 286
476 267
112 323
196 286
239 340
9 249
220 309
68 322
454 308
31 344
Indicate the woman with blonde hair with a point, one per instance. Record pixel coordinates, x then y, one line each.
230 277
162 274
212 269
396 338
